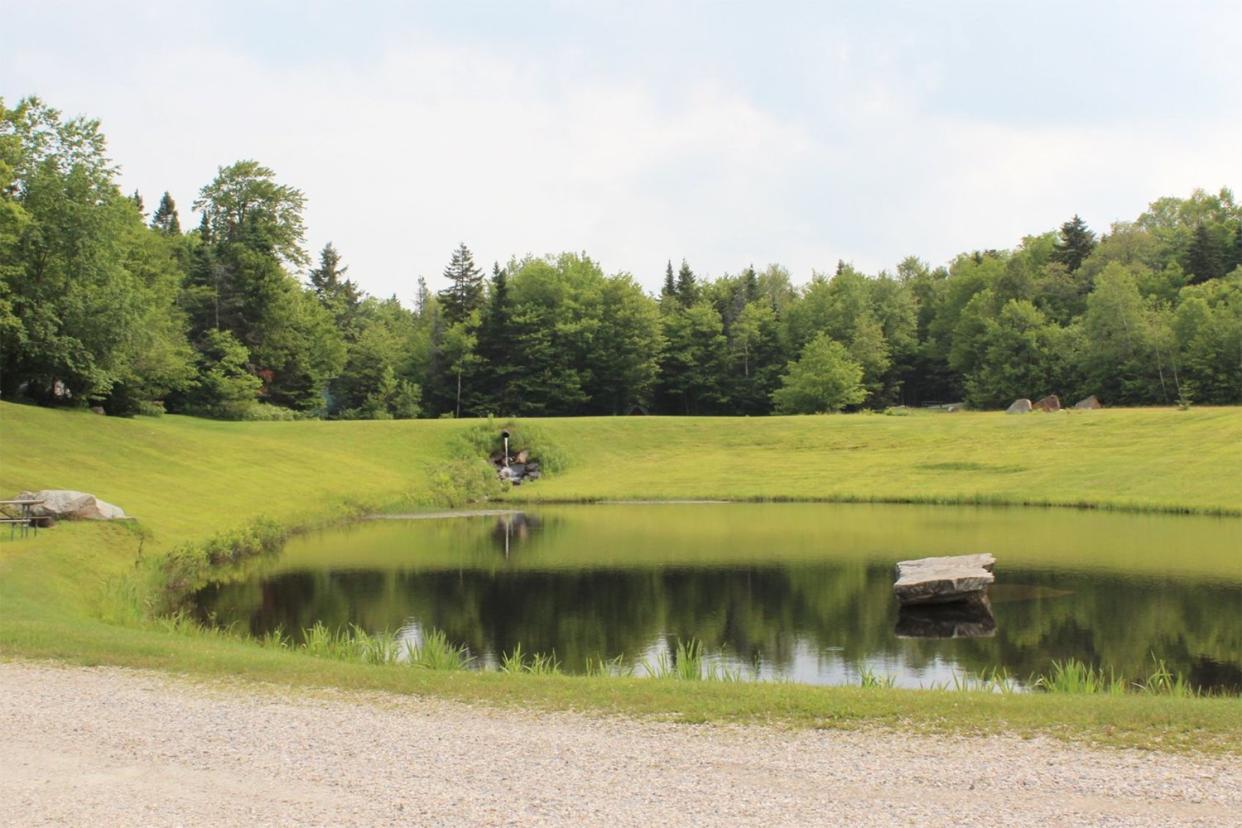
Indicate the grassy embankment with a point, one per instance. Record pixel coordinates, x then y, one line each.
71 593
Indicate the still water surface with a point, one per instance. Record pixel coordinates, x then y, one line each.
799 591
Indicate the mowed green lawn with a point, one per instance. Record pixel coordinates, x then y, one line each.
72 593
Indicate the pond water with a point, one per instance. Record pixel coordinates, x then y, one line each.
798 591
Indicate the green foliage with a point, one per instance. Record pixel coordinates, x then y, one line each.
98 308
225 387
435 652
1074 244
825 378
869 679
244 205
459 482
464 295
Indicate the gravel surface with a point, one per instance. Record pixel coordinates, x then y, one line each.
103 747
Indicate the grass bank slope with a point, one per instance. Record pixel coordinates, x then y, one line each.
1131 459
69 594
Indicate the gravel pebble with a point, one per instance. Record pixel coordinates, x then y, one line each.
107 746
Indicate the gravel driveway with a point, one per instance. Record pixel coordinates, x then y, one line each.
105 747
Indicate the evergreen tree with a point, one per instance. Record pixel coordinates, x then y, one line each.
136 197
687 285
670 284
465 291
1205 259
340 296
422 297
1074 243
750 284
492 387
1236 261
165 218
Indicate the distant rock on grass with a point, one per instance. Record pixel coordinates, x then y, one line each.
1089 402
1021 406
1049 403
66 504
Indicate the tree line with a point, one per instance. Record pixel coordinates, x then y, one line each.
102 304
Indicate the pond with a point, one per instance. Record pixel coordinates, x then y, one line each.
796 591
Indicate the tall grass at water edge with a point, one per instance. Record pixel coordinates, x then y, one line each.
687 661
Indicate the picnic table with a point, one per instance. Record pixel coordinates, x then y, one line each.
27 520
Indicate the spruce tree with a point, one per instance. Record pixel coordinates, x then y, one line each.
465 291
670 285
340 296
165 218
687 286
495 370
1237 249
1074 244
137 199
422 297
750 284
1205 259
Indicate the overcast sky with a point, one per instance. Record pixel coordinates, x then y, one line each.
724 133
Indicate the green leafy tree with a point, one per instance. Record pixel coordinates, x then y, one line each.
1019 357
371 386
86 310
458 348
626 351
244 204
824 378
694 362
225 387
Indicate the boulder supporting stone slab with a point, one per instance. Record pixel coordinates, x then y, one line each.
66 504
1021 406
944 580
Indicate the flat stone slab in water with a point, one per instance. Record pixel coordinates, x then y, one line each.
942 580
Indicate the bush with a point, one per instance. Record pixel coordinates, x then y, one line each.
464 481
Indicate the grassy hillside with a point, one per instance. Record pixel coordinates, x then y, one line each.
184 476
71 593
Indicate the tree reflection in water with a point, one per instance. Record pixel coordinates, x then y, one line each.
547 584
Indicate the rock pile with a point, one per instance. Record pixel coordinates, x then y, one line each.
520 468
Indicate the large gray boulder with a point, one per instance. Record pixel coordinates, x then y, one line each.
943 580
66 504
1021 406
1089 402
1049 403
